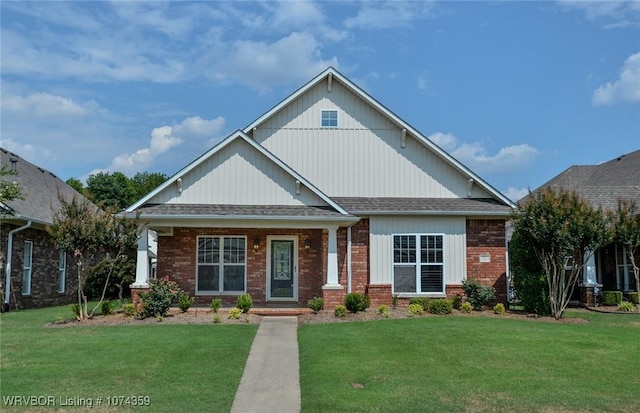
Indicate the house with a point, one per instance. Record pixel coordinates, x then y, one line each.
602 186
34 270
327 193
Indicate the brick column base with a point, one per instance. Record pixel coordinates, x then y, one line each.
332 296
135 296
380 294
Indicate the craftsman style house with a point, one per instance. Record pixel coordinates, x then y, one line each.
34 270
327 193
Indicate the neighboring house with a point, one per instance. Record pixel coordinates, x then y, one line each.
327 193
602 186
34 270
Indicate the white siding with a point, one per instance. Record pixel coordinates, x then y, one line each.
363 156
238 174
382 230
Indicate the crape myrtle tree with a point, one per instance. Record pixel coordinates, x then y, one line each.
625 222
91 235
559 226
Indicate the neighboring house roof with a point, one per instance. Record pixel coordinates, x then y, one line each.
40 187
424 206
603 184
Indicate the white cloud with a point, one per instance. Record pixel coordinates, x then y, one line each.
475 155
388 15
621 13
45 105
625 89
516 194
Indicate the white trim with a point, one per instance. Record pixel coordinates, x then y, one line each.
62 271
418 264
221 265
26 281
293 238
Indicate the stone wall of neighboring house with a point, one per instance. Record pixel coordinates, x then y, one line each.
44 272
486 254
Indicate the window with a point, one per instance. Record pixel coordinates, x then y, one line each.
329 118
418 263
26 268
62 270
624 273
221 264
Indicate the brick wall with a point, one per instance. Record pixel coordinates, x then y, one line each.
486 242
44 272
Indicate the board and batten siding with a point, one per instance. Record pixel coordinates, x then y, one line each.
363 156
238 174
383 228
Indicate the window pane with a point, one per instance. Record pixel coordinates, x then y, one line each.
62 270
404 278
329 118
234 278
26 263
208 250
234 250
431 278
431 249
404 249
208 278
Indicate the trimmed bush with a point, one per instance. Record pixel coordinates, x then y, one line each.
235 313
384 310
355 302
340 311
215 304
184 302
316 304
499 309
415 309
244 302
477 294
157 301
456 301
633 297
466 307
626 306
108 307
129 310
440 306
611 297
423 301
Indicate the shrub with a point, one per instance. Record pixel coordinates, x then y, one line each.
75 309
108 307
235 313
440 306
633 297
499 309
129 310
611 297
215 304
355 302
415 309
217 319
340 311
316 304
184 302
466 307
244 302
423 301
157 301
477 294
456 301
384 310
626 306
529 281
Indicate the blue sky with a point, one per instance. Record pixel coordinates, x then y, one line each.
517 91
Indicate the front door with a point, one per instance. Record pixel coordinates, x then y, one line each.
282 267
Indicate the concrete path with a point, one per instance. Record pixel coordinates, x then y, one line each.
271 378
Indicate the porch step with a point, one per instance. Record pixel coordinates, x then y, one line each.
293 311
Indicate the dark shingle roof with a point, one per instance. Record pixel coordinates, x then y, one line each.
205 210
603 184
466 206
40 188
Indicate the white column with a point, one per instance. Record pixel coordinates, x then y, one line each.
142 261
332 258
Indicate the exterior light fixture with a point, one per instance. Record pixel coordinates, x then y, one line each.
307 244
256 244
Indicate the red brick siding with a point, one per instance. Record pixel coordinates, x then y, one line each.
487 236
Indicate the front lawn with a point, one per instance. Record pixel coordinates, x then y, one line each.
178 367
472 364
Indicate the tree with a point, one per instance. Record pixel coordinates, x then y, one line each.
76 184
626 231
145 182
560 228
81 228
112 190
529 281
9 190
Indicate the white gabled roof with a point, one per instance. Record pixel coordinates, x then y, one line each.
222 144
335 75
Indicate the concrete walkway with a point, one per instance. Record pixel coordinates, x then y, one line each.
271 378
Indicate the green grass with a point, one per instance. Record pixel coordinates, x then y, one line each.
180 367
472 364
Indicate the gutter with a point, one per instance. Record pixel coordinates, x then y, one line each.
7 286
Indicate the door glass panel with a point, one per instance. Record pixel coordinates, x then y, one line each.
282 269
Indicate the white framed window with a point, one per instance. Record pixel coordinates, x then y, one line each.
27 267
221 265
624 271
62 270
329 119
418 263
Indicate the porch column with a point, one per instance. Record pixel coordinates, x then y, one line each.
142 261
332 259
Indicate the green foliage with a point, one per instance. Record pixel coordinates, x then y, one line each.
415 309
423 301
456 301
626 306
355 302
384 310
529 281
499 309
633 297
215 304
76 184
157 301
440 306
108 307
316 304
118 271
9 190
216 318
75 309
340 311
466 307
129 310
184 302
394 300
235 313
611 297
244 302
477 294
